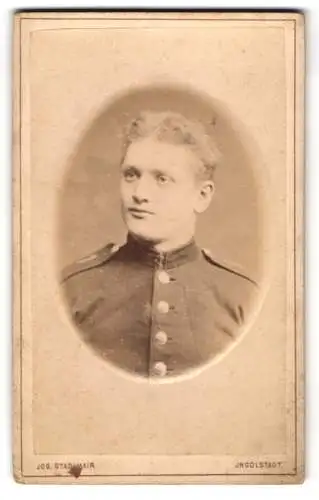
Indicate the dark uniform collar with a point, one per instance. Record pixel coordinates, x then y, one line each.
144 252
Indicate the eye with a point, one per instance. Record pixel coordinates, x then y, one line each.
130 174
162 179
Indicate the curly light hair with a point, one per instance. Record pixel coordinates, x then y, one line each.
174 128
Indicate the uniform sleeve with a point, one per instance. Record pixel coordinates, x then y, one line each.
239 297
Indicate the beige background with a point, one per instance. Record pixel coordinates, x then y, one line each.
74 404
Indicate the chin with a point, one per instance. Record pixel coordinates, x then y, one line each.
143 234
150 238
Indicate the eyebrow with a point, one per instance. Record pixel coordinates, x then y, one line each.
127 166
155 171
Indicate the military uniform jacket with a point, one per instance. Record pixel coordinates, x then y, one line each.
156 314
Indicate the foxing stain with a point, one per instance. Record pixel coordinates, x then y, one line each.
75 470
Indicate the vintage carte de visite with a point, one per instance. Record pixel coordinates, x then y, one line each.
158 236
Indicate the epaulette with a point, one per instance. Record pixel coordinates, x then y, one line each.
90 261
208 256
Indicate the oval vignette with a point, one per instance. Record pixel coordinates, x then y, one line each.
233 228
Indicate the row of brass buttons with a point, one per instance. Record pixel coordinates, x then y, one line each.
160 368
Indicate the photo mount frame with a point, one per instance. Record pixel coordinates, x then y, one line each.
22 380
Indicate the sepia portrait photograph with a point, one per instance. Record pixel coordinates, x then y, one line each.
155 302
158 249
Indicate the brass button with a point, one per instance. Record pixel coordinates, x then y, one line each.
161 338
160 369
163 307
163 277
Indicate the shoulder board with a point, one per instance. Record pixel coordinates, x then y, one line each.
208 256
90 261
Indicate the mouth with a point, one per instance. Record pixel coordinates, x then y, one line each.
139 213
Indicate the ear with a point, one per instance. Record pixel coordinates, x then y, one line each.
205 195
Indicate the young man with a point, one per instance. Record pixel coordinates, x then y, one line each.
159 305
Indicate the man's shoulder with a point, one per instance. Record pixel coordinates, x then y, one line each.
229 273
91 261
231 287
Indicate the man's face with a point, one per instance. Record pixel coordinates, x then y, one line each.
160 191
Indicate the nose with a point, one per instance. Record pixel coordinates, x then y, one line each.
141 191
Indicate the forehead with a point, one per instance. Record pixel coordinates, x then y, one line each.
151 154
